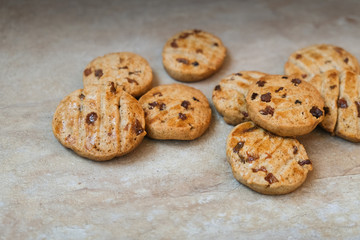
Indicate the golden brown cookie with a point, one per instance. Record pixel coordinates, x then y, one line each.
264 162
348 122
128 70
175 111
229 95
100 122
321 65
193 55
285 105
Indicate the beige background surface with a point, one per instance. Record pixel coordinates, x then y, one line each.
164 189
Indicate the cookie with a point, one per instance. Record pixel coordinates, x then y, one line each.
266 163
99 122
321 65
285 105
128 70
175 111
229 96
193 55
348 122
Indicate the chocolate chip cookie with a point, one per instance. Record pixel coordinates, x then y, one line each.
193 55
128 70
285 105
175 111
229 95
99 122
264 162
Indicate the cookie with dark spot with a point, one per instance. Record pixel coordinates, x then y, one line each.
99 122
286 107
229 95
175 111
193 55
128 70
321 65
264 162
348 117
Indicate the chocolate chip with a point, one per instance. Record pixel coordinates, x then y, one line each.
112 88
284 77
199 51
327 110
174 44
87 72
304 75
238 74
98 73
295 151
197 31
152 105
298 56
266 97
283 96
253 96
217 88
195 64
182 116
332 86
91 118
342 103
357 103
157 94
185 104
238 146
81 96
298 102
195 99
245 114
162 106
279 89
302 163
130 80
262 169
316 112
215 44
250 129
125 67
184 35
267 111
251 158
270 178
138 129
346 60
261 83
296 81
182 60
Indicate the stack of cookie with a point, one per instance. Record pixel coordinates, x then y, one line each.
104 120
321 86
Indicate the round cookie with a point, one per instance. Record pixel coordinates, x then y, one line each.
321 65
175 111
264 162
99 122
285 105
229 95
129 70
348 118
193 55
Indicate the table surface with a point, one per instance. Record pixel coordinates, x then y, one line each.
163 189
